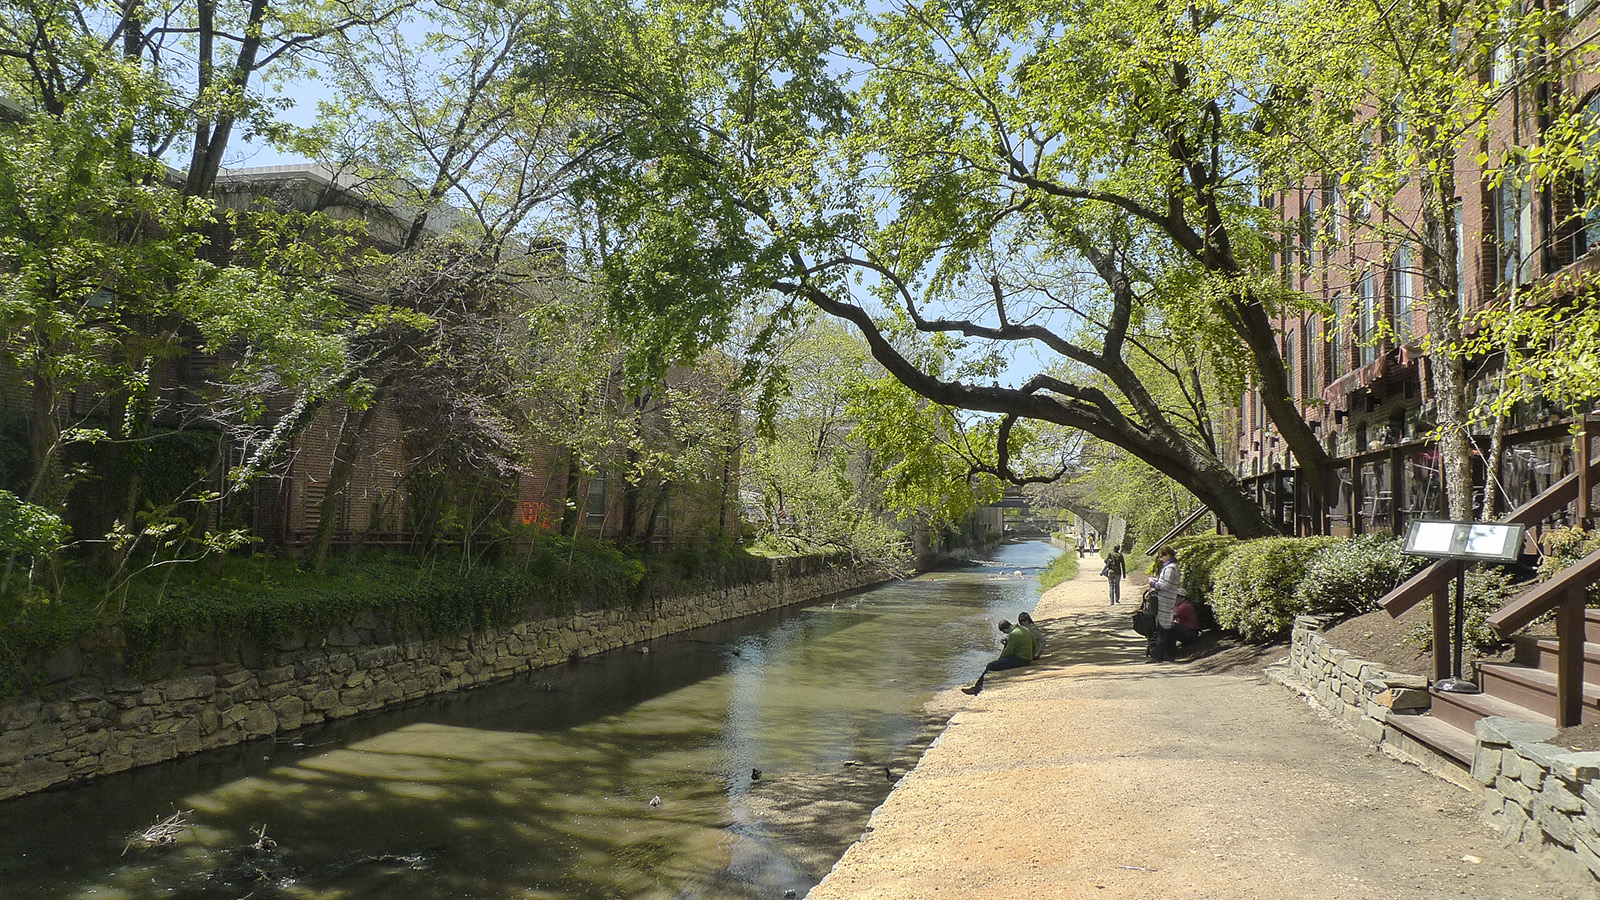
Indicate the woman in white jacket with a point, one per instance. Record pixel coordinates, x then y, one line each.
1167 585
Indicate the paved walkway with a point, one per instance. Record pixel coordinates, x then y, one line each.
1096 774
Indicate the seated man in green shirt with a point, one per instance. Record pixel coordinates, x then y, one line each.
1018 651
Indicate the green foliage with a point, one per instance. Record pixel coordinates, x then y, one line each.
1199 558
28 529
258 599
1564 547
1488 589
1062 568
1256 586
1350 576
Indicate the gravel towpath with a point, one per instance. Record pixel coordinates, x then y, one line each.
1096 774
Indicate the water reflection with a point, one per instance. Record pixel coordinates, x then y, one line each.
542 787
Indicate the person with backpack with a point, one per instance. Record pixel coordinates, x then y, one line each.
1114 569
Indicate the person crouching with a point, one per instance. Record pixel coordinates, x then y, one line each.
1018 651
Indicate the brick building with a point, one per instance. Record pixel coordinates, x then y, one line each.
1361 374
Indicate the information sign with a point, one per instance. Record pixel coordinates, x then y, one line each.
1486 541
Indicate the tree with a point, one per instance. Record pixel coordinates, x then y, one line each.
945 187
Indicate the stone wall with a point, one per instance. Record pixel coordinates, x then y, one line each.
1540 794
1360 693
96 720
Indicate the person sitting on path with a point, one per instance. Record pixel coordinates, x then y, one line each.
1185 622
1168 585
1018 651
1026 621
1114 569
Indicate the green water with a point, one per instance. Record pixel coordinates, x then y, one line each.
541 787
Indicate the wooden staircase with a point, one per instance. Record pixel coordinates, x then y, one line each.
1549 681
1525 688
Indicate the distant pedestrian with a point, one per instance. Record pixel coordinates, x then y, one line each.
1018 651
1168 585
1026 621
1115 568
1080 545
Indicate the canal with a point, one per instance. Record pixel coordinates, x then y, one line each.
735 761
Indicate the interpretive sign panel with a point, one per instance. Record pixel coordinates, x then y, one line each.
1488 541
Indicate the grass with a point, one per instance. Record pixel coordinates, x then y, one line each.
1062 568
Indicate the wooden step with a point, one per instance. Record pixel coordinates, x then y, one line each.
1540 653
1438 735
1464 710
1534 689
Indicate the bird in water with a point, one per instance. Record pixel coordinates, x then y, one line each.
755 774
890 775
656 800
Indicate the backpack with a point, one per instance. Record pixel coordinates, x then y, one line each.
1144 621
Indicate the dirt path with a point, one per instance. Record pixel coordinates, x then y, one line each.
1096 774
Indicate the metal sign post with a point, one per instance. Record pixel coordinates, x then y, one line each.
1463 542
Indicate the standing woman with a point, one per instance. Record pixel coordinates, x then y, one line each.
1167 585
1115 568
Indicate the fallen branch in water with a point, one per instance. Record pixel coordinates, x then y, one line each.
162 833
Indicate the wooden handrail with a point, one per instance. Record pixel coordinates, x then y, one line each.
1533 603
1425 583
1188 520
1566 592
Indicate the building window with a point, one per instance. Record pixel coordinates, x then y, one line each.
1308 231
1308 364
1586 197
595 504
1458 212
1288 360
1515 213
1404 295
1367 319
1338 354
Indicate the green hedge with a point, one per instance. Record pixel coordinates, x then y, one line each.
1349 577
1199 556
1255 586
265 598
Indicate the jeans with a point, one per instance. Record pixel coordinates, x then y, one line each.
1116 590
1005 662
1165 644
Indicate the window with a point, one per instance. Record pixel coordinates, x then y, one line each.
595 504
1308 231
1577 9
1586 198
1308 363
1515 212
1289 346
1338 354
1404 295
1460 287
1367 319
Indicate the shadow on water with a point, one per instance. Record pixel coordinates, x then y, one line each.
542 786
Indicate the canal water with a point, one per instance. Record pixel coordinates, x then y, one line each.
626 775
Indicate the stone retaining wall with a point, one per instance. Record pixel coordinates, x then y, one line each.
1539 794
215 693
1360 693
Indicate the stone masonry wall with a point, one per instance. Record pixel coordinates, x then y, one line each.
1360 693
1540 794
85 726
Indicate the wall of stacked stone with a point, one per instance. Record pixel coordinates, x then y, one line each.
1360 693
94 719
1539 794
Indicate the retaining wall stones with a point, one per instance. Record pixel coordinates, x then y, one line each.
1360 693
1539 794
94 719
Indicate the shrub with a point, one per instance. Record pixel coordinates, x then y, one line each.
1565 547
1487 590
1198 559
1350 576
1254 588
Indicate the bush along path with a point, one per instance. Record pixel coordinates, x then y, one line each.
1095 774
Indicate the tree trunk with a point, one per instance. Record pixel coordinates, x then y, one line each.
1448 369
352 435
